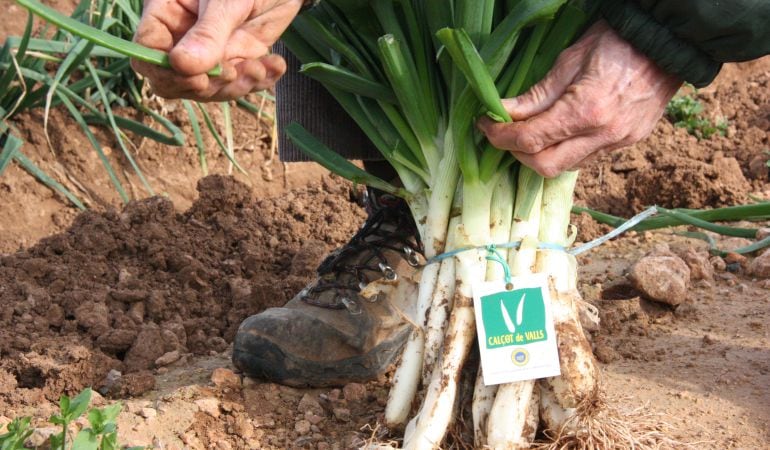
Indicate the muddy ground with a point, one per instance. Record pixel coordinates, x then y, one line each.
88 293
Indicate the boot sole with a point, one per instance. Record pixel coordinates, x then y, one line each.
259 357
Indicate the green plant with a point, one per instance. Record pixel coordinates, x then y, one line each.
84 68
685 111
101 435
415 76
17 432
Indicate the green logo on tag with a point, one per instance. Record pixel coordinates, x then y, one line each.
514 317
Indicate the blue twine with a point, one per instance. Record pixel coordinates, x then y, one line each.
494 255
491 248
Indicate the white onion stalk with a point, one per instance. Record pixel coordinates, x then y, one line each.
579 374
407 376
483 399
437 409
500 230
553 416
443 300
507 427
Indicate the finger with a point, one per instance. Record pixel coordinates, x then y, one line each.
566 155
168 84
253 75
263 30
163 23
569 117
547 91
203 47
153 34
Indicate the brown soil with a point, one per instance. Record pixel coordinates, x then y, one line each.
117 283
155 289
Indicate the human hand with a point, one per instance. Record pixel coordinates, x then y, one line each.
199 34
602 94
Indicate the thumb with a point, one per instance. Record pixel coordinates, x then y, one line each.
203 46
545 93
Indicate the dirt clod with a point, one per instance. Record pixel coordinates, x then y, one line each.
139 288
209 406
222 377
354 392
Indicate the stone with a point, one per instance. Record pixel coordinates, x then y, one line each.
302 427
699 264
342 414
111 380
264 422
354 392
4 421
243 427
313 418
168 358
40 436
222 377
223 445
209 406
148 413
735 258
310 403
763 233
718 263
731 243
664 279
760 266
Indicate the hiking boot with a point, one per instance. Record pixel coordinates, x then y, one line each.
329 334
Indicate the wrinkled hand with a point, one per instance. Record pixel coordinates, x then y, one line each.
235 33
602 94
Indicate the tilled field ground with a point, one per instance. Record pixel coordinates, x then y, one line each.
105 287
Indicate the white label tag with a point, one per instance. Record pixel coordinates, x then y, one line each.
515 330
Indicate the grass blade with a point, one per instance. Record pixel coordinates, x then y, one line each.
6 79
38 173
228 134
254 109
198 136
213 129
102 38
95 144
325 156
348 81
10 147
116 129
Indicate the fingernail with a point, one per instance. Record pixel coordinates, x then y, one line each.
510 103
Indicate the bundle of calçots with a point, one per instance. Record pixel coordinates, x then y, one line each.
415 75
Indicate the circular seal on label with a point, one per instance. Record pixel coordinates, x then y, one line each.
520 357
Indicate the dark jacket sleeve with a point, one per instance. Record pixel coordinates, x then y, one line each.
692 38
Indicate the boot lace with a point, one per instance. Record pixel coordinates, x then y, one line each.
339 272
